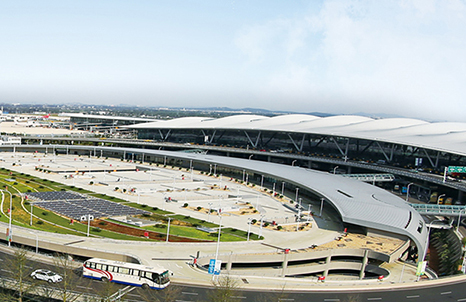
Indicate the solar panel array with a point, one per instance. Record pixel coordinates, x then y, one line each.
56 195
77 205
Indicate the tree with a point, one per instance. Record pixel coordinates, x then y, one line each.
168 294
67 268
19 272
225 287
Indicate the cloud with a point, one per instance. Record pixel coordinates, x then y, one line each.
403 57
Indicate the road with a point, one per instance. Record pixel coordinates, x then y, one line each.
454 290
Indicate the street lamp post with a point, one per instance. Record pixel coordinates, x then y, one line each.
262 182
218 239
88 223
296 199
292 163
335 169
438 199
251 156
31 215
37 242
407 192
321 206
260 229
249 228
459 220
168 229
10 233
208 214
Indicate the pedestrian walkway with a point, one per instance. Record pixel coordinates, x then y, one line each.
178 257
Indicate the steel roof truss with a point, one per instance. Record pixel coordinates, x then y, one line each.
428 157
383 152
164 137
300 147
338 146
254 144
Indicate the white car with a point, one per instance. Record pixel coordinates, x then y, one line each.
46 275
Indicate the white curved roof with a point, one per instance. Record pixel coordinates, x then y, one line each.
357 202
443 136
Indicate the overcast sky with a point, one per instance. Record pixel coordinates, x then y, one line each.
404 57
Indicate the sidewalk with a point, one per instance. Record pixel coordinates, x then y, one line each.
177 257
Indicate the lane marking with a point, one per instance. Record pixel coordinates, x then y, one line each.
412 297
373 299
330 300
463 299
238 297
190 293
445 293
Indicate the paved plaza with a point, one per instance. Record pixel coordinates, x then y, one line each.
169 189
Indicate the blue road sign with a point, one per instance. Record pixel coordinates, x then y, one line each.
212 266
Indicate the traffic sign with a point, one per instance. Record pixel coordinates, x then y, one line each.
456 169
212 266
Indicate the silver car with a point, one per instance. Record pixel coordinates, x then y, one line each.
46 275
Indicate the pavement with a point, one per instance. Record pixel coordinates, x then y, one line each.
177 257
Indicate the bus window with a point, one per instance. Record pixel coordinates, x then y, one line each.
135 272
124 270
155 277
98 266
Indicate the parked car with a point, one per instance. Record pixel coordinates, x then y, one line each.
46 275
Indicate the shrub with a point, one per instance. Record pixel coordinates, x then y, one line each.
39 222
155 208
143 206
102 223
185 205
45 213
254 221
199 208
266 224
97 230
279 227
160 226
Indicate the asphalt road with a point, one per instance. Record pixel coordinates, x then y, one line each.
453 291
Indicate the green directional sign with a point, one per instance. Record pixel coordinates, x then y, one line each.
456 169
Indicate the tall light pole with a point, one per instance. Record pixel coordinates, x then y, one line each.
168 229
218 239
31 215
260 229
251 156
459 220
249 228
37 242
10 231
335 169
292 163
262 182
407 192
321 206
208 214
296 199
88 223
438 199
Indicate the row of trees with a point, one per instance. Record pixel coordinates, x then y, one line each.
20 287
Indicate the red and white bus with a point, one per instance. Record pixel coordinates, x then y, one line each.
126 273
